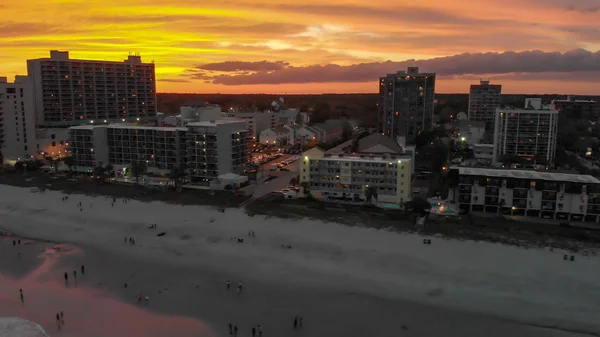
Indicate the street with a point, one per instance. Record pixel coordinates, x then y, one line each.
282 178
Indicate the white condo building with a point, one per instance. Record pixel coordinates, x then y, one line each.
17 122
208 149
350 177
215 148
527 193
525 133
70 91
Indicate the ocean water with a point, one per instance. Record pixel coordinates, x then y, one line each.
17 327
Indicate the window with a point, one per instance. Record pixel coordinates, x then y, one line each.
25 147
53 143
53 137
11 90
61 142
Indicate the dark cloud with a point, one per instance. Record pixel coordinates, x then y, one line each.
235 66
528 62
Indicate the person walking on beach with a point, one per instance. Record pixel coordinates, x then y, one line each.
239 287
235 330
82 270
62 318
139 297
75 274
300 321
66 278
228 284
295 322
253 331
58 321
230 329
259 330
21 295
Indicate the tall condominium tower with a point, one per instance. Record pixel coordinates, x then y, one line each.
526 133
69 92
406 103
484 99
17 124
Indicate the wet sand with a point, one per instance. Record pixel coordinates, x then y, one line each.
185 278
187 302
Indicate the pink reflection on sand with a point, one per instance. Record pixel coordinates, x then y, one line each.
88 312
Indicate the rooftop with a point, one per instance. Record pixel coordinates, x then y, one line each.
217 122
524 174
364 158
378 139
464 124
527 111
128 126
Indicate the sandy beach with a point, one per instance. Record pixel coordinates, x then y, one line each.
344 281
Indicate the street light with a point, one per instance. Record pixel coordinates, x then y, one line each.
462 138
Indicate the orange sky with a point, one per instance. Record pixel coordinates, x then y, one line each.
179 35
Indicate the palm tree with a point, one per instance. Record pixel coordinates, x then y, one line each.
178 174
69 161
137 169
370 193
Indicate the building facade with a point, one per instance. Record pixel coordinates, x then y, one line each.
577 108
216 148
17 121
352 178
526 193
406 101
161 148
88 147
530 134
472 131
69 91
484 99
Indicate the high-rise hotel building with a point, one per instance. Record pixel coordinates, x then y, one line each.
484 99
406 103
69 91
17 125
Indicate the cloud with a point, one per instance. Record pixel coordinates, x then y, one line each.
235 66
174 80
528 62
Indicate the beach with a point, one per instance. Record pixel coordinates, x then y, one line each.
344 281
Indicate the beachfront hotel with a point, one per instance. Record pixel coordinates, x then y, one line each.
209 149
527 193
484 99
17 123
353 177
69 91
215 148
529 133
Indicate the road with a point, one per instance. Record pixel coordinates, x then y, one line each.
281 181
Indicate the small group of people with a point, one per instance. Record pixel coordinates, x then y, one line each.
239 240
288 246
426 241
251 234
298 322
239 286
16 242
130 239
139 296
152 226
566 257
233 329
65 198
60 319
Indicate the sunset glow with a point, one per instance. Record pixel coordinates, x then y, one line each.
314 46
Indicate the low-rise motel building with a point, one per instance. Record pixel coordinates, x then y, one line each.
353 178
547 195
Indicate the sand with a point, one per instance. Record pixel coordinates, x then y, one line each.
345 281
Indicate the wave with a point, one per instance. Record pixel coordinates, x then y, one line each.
18 327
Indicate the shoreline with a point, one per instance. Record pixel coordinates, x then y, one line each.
338 259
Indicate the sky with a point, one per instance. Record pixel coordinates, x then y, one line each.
316 46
